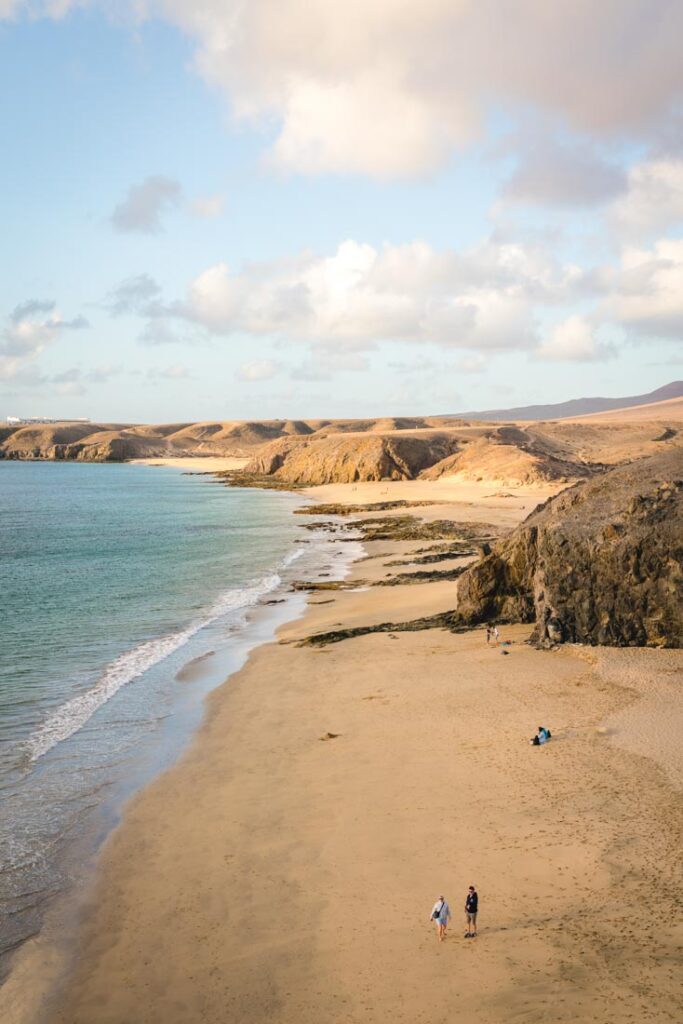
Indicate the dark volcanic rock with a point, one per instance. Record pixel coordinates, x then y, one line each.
601 563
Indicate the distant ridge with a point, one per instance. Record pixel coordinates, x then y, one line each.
577 406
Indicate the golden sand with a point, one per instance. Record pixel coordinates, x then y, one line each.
195 464
276 876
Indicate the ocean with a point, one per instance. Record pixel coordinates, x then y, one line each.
128 592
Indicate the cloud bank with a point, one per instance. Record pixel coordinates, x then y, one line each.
359 295
390 88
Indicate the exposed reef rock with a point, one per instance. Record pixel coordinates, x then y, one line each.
350 510
408 528
421 576
261 481
442 620
460 551
601 563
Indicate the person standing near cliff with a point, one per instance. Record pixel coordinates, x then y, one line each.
471 910
440 915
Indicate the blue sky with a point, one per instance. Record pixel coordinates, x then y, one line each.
307 211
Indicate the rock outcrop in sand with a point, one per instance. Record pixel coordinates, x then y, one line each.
601 563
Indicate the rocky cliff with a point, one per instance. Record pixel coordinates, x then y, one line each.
101 442
343 451
601 563
346 458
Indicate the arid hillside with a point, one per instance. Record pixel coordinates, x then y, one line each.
313 452
506 455
107 442
580 406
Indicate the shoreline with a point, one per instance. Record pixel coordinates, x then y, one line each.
255 863
194 464
78 861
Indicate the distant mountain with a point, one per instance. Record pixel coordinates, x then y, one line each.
576 406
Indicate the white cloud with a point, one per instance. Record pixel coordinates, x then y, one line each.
389 88
142 209
359 295
258 369
647 290
208 207
574 340
31 327
654 200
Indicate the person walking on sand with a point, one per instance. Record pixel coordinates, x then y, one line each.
488 634
496 633
471 909
440 915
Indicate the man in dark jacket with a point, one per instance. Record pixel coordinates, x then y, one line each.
471 908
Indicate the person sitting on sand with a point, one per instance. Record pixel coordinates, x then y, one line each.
542 736
440 915
471 908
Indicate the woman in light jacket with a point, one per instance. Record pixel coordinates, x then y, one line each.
440 915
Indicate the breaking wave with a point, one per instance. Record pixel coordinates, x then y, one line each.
71 716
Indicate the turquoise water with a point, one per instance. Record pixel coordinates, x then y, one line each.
113 578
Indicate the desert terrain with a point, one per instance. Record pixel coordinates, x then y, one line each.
299 453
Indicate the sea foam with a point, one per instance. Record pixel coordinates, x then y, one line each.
71 716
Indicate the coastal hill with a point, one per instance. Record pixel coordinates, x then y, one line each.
314 452
511 454
580 406
600 563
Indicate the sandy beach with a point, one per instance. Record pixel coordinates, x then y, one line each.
195 464
284 870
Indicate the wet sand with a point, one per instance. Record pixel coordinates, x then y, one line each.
278 875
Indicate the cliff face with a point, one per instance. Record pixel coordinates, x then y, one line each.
344 458
343 451
105 442
601 563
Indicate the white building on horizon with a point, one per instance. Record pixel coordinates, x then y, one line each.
19 421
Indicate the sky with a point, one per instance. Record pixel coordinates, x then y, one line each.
302 208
